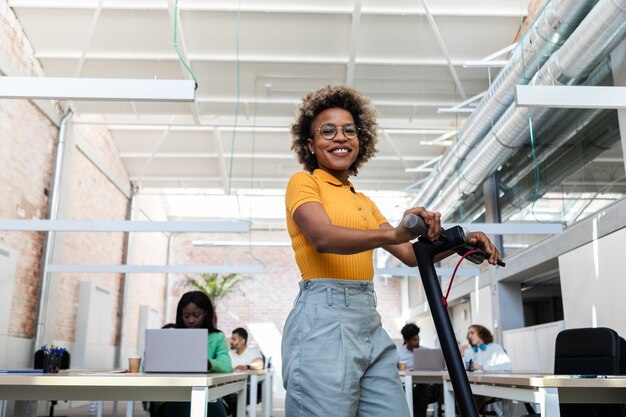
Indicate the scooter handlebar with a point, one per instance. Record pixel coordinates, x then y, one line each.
417 225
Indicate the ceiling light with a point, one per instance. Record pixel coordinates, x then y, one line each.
108 89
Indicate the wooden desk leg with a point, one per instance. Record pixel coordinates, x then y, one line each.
241 402
549 402
267 395
408 392
254 380
448 398
199 399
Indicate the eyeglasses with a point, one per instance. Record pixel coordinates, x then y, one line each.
329 130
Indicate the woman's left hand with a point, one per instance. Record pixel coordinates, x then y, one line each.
480 239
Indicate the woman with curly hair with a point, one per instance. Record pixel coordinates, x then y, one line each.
483 352
337 359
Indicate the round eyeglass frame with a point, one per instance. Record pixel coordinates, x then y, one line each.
347 136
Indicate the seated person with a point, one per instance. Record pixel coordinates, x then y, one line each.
484 354
195 310
423 394
243 358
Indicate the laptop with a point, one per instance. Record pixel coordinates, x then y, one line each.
428 360
176 350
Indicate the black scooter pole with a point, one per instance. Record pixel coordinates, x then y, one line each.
425 252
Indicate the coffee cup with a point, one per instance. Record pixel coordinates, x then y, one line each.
134 363
402 365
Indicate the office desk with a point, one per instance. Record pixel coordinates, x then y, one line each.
545 390
419 377
81 385
255 378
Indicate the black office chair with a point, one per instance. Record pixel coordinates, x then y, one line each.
38 364
589 351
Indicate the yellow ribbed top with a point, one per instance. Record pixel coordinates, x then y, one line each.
345 208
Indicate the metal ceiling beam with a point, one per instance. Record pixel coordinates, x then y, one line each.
156 269
248 59
219 145
570 97
134 123
92 30
47 108
461 10
395 148
208 226
444 49
354 37
249 180
242 155
155 148
183 46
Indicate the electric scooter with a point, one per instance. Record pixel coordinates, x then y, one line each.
425 250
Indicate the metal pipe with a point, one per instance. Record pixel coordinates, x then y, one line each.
598 34
125 284
551 28
53 208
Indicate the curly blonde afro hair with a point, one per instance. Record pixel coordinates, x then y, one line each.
329 97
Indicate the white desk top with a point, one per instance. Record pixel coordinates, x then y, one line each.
544 381
103 385
117 379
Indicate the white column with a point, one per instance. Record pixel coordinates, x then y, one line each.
618 62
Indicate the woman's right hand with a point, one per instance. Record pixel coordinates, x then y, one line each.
431 218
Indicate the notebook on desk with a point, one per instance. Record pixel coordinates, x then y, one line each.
428 360
176 350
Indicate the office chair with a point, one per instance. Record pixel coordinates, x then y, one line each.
38 364
589 351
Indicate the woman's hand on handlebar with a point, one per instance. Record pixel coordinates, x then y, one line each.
481 240
432 220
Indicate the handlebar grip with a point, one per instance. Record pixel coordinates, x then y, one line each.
415 224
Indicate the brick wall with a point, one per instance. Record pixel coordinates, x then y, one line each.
27 144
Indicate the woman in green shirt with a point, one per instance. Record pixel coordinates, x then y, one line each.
194 311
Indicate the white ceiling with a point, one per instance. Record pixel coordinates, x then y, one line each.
254 60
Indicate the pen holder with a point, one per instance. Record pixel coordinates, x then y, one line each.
51 363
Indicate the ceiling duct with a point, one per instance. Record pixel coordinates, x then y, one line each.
556 21
597 137
564 126
598 34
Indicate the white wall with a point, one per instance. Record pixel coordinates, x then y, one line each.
428 333
93 348
8 264
531 349
461 318
593 283
482 308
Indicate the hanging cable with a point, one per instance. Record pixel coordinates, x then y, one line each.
180 56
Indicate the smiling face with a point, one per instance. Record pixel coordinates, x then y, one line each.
337 155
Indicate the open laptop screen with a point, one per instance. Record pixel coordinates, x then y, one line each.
176 350
428 360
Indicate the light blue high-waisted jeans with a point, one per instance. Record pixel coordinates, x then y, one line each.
337 359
